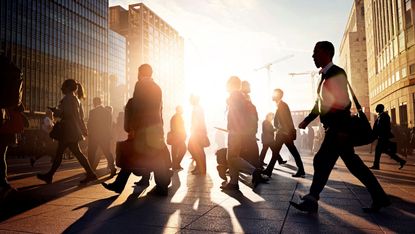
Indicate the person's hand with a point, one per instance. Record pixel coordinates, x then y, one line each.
303 125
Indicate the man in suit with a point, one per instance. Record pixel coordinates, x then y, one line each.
382 131
285 134
144 124
99 135
333 107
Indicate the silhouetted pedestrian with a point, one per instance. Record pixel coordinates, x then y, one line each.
45 144
238 128
178 137
99 135
285 135
144 123
250 151
382 131
267 136
72 131
11 118
333 107
198 137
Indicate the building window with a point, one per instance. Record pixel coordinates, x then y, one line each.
393 115
403 114
408 13
404 74
412 69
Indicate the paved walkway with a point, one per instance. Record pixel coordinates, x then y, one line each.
197 205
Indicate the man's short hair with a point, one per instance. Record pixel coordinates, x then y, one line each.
96 100
145 70
234 82
279 91
326 46
380 108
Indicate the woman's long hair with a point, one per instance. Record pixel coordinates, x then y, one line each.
70 86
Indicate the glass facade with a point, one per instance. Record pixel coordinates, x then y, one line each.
56 40
151 40
116 56
117 70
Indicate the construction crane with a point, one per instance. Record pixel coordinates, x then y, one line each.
268 66
313 75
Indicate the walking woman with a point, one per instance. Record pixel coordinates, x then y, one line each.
198 138
72 130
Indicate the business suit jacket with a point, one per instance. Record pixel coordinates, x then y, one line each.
99 124
382 126
71 113
283 121
333 104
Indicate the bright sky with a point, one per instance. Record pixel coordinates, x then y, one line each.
233 37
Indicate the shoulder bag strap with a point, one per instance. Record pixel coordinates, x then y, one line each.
356 102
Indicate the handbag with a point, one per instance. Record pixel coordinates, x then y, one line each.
361 131
125 154
57 131
14 122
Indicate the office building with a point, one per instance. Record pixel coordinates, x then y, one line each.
390 38
352 54
151 40
56 40
117 70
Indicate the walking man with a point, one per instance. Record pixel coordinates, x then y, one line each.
333 107
99 129
382 130
285 134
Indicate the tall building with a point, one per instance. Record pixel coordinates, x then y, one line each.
352 54
151 40
390 47
56 40
117 53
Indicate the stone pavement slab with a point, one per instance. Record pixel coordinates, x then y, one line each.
196 204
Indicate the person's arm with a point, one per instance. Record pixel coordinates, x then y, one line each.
80 118
315 112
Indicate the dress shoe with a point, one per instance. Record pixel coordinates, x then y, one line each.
222 172
403 162
306 206
143 182
88 178
230 187
376 206
111 187
267 173
45 178
159 191
113 172
374 167
299 174
282 162
257 178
